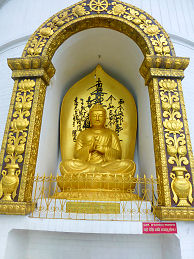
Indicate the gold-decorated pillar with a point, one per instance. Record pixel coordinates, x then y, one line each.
172 145
21 137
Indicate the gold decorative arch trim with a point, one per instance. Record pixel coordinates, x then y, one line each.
162 71
128 19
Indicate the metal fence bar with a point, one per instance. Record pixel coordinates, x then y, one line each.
108 202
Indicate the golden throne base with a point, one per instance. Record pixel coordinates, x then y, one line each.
96 195
99 187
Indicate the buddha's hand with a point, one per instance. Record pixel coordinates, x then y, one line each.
100 148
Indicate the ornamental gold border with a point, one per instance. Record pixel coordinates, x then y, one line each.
160 63
100 21
126 18
33 84
9 117
16 208
32 142
174 213
173 151
159 144
188 139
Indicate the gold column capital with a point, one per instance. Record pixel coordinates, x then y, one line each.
32 67
161 66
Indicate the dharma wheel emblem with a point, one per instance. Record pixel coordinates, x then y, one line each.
98 5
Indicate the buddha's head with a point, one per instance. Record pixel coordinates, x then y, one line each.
97 115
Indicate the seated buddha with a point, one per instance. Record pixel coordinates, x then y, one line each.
97 164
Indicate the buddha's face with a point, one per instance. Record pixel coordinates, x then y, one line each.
97 119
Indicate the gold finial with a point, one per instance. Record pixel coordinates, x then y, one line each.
98 66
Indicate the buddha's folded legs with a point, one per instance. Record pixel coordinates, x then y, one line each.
76 166
119 167
112 167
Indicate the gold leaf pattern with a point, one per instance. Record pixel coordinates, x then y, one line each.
151 31
175 140
79 10
118 9
46 32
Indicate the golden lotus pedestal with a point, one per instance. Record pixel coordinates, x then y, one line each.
97 186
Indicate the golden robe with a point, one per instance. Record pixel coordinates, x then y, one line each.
97 151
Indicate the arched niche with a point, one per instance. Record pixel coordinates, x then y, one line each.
72 62
162 72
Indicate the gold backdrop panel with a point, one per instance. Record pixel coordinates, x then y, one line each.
120 106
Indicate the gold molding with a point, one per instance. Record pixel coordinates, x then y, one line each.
179 63
16 208
32 67
171 138
159 144
22 140
32 141
149 35
186 126
161 66
174 213
11 106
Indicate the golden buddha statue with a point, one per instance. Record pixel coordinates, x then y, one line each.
97 164
97 149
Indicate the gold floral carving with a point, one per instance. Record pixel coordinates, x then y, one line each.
118 9
174 213
141 27
164 197
10 208
44 33
17 136
169 68
37 43
32 142
188 140
16 139
79 10
175 141
21 138
157 38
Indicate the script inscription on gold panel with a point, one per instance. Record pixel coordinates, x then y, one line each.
93 207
